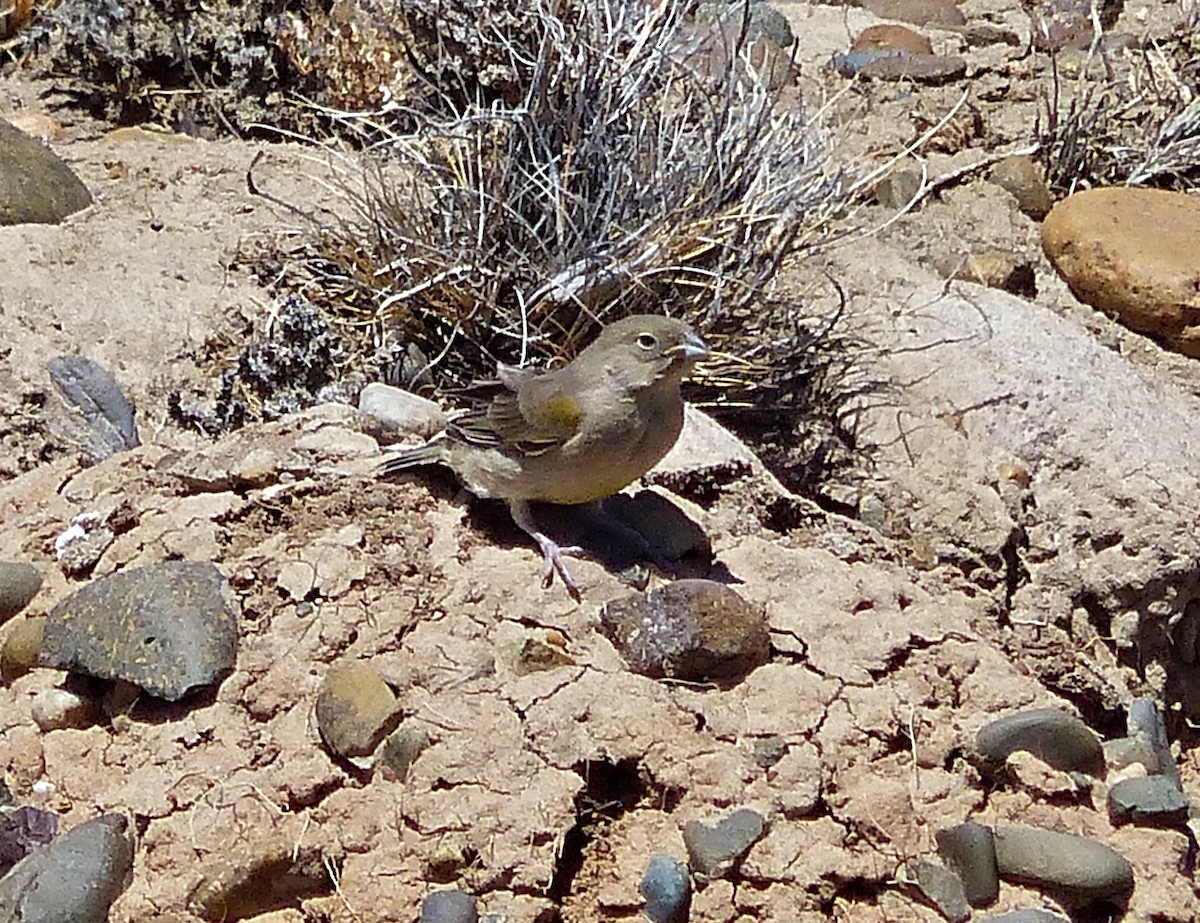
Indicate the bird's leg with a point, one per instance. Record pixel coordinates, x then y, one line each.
553 555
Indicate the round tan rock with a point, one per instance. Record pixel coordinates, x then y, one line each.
891 36
19 654
356 709
1132 253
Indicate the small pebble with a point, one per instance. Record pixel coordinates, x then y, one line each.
395 414
1057 738
1077 867
769 750
400 750
56 709
691 630
667 889
452 906
19 583
713 849
1151 801
969 850
1023 178
19 654
943 889
898 189
356 709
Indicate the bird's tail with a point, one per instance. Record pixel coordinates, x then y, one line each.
433 452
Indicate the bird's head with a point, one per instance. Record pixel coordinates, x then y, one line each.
645 348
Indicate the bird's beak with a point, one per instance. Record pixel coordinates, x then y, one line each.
691 348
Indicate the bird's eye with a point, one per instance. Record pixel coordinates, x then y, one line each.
647 341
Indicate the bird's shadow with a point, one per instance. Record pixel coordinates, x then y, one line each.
624 534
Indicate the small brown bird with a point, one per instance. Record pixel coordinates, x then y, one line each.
572 435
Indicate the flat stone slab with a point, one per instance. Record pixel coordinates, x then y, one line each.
168 628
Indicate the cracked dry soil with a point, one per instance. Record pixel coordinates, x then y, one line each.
545 793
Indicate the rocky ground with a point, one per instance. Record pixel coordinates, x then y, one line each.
1020 533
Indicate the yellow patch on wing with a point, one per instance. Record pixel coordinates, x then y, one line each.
559 414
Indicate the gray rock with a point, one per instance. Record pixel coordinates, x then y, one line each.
1057 738
765 21
969 850
395 414
713 849
667 890
36 187
19 583
1074 866
452 906
1028 916
168 628
690 629
1151 801
1144 717
87 385
943 889
356 709
75 878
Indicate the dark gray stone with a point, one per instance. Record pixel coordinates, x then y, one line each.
87 385
449 907
1146 718
1057 738
75 878
1151 801
36 187
691 629
168 628
970 851
1074 866
667 889
19 583
943 889
713 849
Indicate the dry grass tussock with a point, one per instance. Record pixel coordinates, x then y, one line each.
1138 125
631 160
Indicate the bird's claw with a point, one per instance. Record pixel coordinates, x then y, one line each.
554 561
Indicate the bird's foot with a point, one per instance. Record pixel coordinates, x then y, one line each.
553 555
554 562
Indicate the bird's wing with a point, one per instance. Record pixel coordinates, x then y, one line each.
528 413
